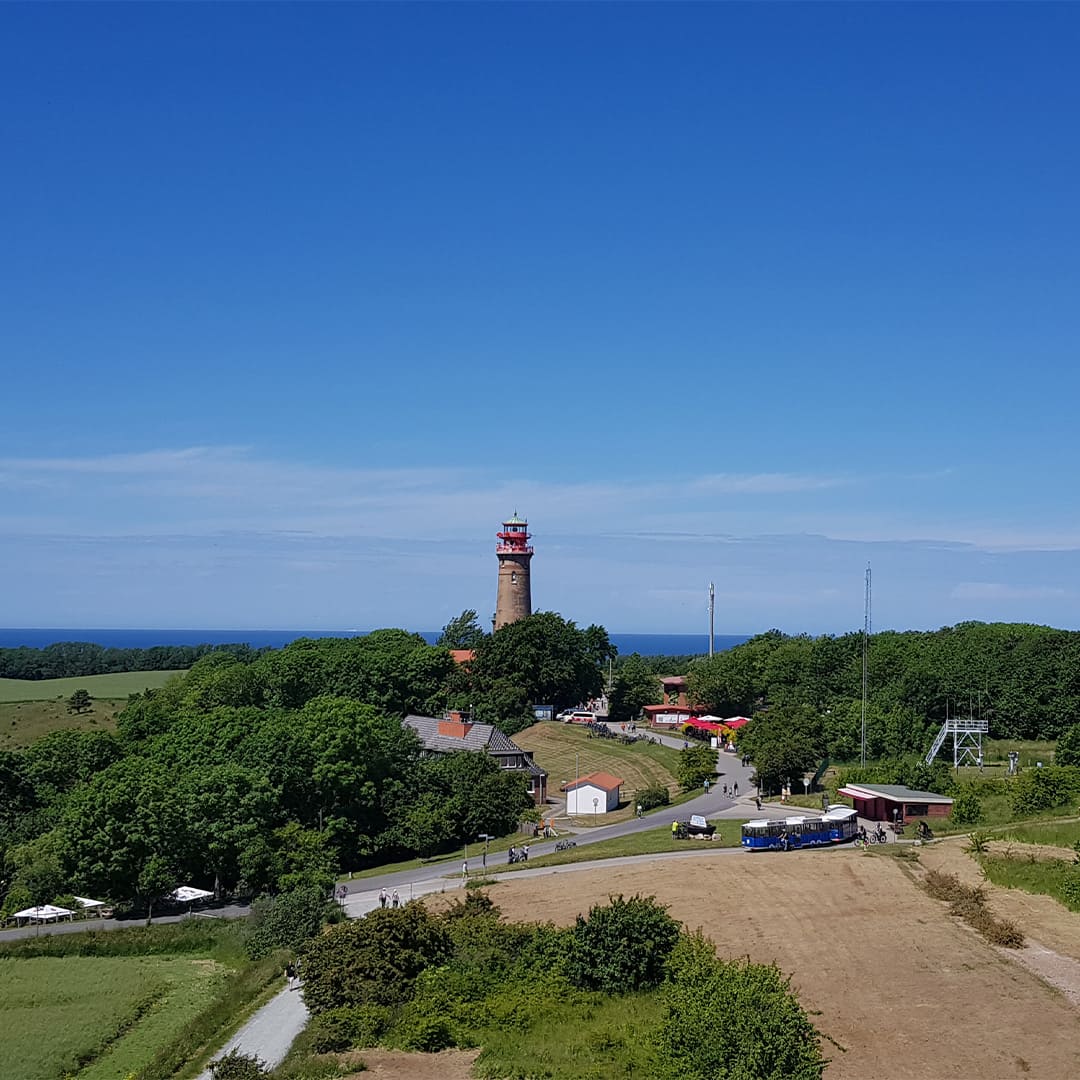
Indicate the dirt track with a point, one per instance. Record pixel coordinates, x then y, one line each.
908 992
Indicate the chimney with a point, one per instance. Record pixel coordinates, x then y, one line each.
455 726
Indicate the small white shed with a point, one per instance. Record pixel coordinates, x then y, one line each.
597 793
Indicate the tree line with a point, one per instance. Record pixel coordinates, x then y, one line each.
262 773
70 659
1023 679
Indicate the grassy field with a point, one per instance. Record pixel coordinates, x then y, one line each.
652 842
1052 877
30 709
1055 833
566 751
99 1017
24 722
110 687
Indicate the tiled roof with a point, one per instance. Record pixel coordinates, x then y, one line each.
463 656
603 780
485 737
427 727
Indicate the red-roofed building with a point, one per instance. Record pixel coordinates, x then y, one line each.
597 793
463 656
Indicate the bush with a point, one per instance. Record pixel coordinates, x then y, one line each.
733 1020
651 797
696 764
237 1066
621 946
1067 751
428 1034
342 1029
1043 789
967 808
287 921
374 960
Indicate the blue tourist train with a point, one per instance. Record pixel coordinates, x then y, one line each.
837 825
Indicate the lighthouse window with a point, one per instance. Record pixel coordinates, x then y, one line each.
513 577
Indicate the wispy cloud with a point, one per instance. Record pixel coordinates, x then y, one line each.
992 590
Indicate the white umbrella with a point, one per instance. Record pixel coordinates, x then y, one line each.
83 902
186 894
44 913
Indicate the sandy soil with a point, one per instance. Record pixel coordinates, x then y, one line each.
397 1065
1041 918
904 990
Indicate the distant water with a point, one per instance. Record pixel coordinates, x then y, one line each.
646 644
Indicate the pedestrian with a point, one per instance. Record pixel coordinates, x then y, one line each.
465 870
674 829
382 898
706 787
757 799
397 899
725 791
639 811
513 854
525 852
290 975
735 789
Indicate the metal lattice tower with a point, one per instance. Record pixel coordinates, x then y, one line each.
865 665
967 741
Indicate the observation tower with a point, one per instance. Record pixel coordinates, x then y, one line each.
514 599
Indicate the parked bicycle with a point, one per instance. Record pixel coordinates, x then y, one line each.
565 845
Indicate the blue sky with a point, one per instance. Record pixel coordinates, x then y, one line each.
298 301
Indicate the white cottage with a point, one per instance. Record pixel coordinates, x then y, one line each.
597 793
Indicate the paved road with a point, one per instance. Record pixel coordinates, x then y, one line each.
729 770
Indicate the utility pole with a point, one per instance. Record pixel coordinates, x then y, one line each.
865 663
712 616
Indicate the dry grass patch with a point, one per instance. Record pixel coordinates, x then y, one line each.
969 902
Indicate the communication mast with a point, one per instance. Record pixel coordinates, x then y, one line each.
712 614
865 663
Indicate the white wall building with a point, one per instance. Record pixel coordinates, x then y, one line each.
597 793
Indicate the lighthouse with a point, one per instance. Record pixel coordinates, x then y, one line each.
514 600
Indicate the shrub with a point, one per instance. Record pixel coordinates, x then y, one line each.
623 945
342 1029
651 797
374 960
978 843
732 1020
237 1066
428 1034
1070 887
286 921
1067 751
967 808
1043 789
696 764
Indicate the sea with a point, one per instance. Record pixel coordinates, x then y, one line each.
645 644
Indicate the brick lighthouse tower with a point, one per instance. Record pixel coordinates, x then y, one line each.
514 600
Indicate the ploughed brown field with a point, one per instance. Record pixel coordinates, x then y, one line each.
905 991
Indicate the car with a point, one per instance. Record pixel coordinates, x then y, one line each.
577 716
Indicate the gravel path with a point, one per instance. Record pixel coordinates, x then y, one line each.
270 1032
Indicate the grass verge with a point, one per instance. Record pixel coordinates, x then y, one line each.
652 842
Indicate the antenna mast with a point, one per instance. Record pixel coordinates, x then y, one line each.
712 614
865 663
